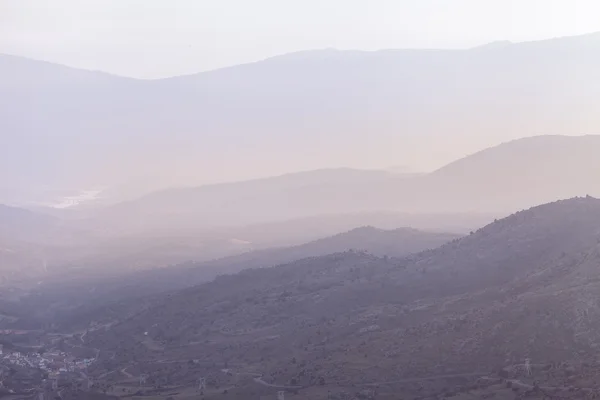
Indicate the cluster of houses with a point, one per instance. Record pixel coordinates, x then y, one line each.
51 362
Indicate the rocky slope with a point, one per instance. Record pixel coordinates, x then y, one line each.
522 287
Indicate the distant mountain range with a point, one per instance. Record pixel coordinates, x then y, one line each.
67 129
497 180
522 287
209 222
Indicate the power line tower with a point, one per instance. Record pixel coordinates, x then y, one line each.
54 383
201 385
528 366
281 395
143 379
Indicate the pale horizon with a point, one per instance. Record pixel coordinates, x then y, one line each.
146 39
294 52
316 199
369 105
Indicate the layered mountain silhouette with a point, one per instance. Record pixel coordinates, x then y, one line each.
114 282
53 251
299 111
380 242
522 287
498 180
292 196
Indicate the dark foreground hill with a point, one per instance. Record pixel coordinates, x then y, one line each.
522 287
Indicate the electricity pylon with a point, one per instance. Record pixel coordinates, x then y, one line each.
528 366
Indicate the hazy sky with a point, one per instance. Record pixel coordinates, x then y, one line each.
154 38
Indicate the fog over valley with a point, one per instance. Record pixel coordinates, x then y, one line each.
299 200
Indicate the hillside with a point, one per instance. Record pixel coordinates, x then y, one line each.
522 287
68 259
77 291
519 173
393 243
421 107
259 201
302 230
380 242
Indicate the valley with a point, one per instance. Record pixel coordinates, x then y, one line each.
414 222
357 305
454 320
230 380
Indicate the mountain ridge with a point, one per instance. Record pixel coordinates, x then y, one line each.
496 180
590 35
423 108
117 286
471 305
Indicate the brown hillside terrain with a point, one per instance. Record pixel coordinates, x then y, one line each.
522 287
74 290
393 243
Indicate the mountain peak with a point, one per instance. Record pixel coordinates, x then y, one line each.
566 224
